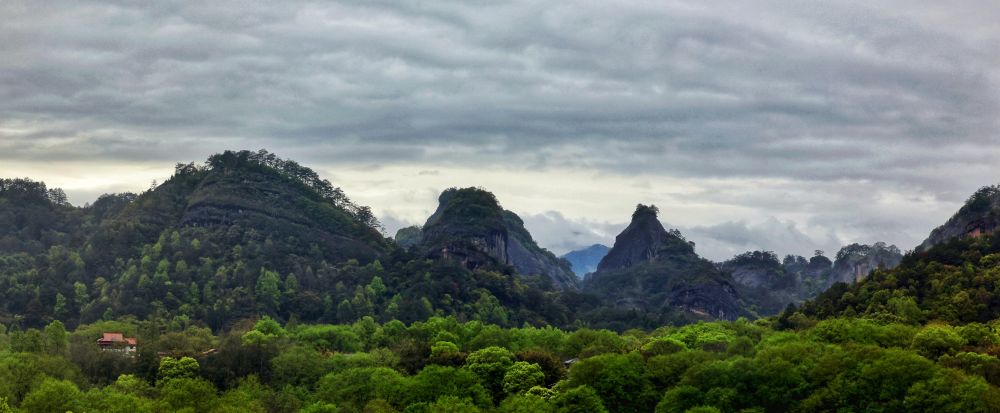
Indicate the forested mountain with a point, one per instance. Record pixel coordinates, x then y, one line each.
979 215
763 269
469 226
656 274
795 279
760 275
584 261
854 262
245 234
956 281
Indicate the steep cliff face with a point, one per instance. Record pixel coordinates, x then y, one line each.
653 270
642 241
469 226
978 217
758 269
772 284
854 262
585 260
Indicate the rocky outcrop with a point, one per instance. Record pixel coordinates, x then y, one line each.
584 261
979 216
408 237
772 284
752 276
642 241
470 227
854 262
819 267
653 270
756 269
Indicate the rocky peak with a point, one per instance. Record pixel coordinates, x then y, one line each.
652 269
644 240
855 261
470 226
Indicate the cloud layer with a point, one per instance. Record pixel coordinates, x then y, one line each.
864 121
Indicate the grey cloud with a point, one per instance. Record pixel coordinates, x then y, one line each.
717 242
830 111
723 241
555 232
391 224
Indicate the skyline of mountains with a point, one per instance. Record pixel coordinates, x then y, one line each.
270 235
720 232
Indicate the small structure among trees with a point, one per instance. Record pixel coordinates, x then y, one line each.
117 342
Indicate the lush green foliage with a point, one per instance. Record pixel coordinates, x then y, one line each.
253 285
246 234
443 365
957 282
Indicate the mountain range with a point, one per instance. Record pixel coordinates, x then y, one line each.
248 233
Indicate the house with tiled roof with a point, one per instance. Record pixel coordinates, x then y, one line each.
117 342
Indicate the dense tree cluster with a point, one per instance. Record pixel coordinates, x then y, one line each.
981 201
444 365
27 189
766 259
957 282
233 160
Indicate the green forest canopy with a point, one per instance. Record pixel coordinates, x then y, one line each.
441 364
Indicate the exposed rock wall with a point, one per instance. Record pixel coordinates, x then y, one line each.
470 226
854 262
652 270
980 215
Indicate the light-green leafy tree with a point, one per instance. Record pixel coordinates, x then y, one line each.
490 364
522 376
182 368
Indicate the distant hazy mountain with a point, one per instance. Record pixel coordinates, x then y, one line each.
795 279
585 260
854 262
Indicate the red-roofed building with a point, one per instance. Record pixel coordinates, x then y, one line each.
117 342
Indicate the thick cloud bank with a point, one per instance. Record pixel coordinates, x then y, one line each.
865 121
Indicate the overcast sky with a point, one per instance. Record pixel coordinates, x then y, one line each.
788 126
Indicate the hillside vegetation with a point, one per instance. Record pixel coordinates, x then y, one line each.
443 365
253 285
